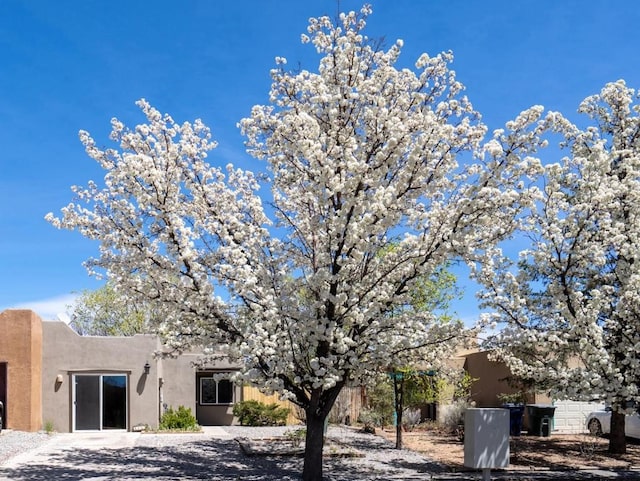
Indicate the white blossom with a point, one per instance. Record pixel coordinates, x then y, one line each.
362 156
570 303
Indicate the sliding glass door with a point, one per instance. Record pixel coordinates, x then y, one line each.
100 402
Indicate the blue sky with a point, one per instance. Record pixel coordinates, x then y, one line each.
71 65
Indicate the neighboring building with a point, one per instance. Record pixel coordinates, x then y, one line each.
50 374
492 379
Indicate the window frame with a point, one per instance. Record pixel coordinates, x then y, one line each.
216 402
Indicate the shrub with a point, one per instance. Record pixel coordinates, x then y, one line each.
49 427
369 419
180 420
255 413
380 404
411 418
296 436
454 416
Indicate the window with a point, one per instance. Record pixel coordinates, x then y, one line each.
214 391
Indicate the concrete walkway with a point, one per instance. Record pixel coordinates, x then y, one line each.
59 452
68 442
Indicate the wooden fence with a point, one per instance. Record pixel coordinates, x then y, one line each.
250 393
345 411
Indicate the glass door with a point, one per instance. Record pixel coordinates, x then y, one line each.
87 402
114 402
100 402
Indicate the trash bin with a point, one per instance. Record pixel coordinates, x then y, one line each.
516 413
540 419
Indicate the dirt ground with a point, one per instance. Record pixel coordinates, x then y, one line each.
559 451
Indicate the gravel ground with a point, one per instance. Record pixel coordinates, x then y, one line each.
16 442
376 457
211 456
215 455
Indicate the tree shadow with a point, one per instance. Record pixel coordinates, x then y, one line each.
566 453
381 461
223 460
213 460
219 460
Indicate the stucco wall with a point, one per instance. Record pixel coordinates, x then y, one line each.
490 379
215 415
180 387
178 382
21 349
65 353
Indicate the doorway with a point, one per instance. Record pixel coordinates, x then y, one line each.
100 402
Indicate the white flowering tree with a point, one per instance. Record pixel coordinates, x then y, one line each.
362 155
570 304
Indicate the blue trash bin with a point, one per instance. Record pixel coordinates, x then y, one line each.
516 413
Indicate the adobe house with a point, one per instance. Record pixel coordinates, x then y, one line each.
50 374
491 380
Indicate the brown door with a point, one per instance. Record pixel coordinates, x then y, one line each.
3 391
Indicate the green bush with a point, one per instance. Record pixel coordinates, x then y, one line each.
255 413
296 436
180 420
380 408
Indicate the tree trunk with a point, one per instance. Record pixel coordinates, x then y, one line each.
312 470
399 431
398 390
617 439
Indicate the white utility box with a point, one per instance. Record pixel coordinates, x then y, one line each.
486 438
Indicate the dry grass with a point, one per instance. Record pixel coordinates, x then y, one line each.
559 451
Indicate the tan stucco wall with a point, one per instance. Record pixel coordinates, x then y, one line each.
215 415
66 353
21 349
171 382
490 379
178 382
180 387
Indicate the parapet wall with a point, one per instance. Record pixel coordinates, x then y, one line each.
21 350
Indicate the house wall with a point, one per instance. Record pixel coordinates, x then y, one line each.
490 379
21 349
65 353
215 415
178 382
180 387
42 359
